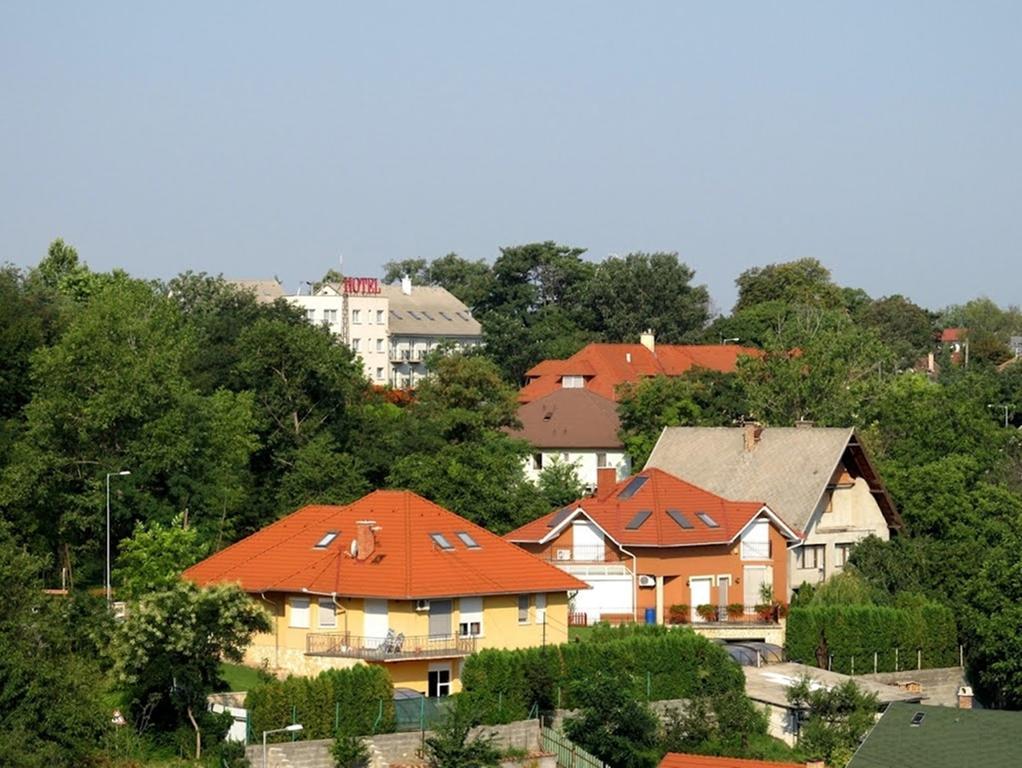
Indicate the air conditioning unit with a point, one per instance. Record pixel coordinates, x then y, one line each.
564 554
422 605
647 581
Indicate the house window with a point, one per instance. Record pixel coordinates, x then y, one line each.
310 315
470 622
356 316
573 382
379 374
811 556
523 608
379 317
356 345
537 461
841 552
541 609
327 612
330 316
439 682
601 460
299 612
379 345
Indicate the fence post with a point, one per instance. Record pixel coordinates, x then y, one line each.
895 659
874 662
649 684
961 655
337 717
853 666
919 659
830 662
294 719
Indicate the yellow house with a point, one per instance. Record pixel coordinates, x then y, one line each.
391 579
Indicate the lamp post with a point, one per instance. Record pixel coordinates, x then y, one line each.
293 728
108 476
1005 406
728 341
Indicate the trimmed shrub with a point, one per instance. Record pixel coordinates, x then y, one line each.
649 661
817 632
361 698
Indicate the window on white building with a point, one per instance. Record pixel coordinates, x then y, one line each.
756 541
327 612
330 316
470 621
356 316
379 345
601 460
841 552
379 374
299 612
379 317
523 608
812 556
573 382
310 315
537 461
356 345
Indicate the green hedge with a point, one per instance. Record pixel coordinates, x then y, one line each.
655 663
351 697
859 631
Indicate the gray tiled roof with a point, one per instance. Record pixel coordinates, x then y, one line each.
789 468
947 737
266 291
428 311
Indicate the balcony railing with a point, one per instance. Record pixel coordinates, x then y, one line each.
588 553
727 614
390 648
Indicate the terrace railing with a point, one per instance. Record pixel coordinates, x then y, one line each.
390 648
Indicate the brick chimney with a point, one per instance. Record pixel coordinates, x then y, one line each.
365 538
753 432
648 340
965 697
606 478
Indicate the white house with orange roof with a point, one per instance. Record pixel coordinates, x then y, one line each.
395 580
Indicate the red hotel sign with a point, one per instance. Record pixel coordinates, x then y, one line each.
362 285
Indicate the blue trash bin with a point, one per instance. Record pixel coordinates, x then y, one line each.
651 615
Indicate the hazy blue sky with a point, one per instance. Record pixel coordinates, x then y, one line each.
257 139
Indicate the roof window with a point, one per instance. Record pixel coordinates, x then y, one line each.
396 314
632 487
640 517
328 537
917 719
467 540
682 521
557 519
709 521
441 541
446 316
428 316
412 314
463 315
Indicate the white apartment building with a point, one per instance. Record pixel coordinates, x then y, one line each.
391 327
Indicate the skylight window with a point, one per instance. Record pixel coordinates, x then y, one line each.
441 541
445 316
414 315
467 540
557 519
462 315
396 314
917 719
682 521
709 521
428 316
633 487
640 517
325 542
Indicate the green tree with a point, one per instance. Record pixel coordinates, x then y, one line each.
648 406
611 724
906 328
168 650
805 282
835 720
469 281
464 397
154 556
559 483
50 711
321 474
349 751
453 746
625 296
416 269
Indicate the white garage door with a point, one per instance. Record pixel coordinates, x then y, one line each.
607 594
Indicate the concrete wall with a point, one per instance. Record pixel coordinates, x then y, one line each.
937 686
388 748
584 460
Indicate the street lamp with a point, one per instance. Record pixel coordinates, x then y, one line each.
727 341
1005 406
109 475
293 728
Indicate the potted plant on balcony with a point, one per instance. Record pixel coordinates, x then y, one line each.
735 611
765 608
678 614
707 612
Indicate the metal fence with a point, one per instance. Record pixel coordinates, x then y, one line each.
569 755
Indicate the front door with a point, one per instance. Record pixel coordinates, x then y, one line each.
700 595
723 583
439 618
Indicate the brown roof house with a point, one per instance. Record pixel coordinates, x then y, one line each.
573 426
818 480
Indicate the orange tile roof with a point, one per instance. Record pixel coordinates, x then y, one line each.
679 760
607 366
658 494
406 564
950 335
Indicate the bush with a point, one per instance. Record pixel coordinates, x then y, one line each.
360 697
844 631
653 662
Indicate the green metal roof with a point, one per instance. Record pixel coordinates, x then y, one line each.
946 738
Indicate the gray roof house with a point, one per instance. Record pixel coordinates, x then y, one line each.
819 480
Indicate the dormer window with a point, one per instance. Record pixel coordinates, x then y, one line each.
573 382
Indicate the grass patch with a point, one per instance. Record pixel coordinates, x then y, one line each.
241 678
579 633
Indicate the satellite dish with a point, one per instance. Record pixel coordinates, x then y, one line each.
353 549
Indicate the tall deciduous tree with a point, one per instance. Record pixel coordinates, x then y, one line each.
805 282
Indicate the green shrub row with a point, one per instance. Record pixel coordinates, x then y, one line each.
654 663
348 697
859 631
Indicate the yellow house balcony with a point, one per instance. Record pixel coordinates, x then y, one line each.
391 648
